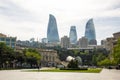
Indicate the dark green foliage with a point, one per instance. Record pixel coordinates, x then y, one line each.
99 55
15 59
106 62
116 52
73 64
64 53
115 57
6 55
20 57
32 56
90 57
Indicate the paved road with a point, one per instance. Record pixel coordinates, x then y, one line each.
18 75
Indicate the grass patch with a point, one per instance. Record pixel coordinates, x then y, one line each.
90 70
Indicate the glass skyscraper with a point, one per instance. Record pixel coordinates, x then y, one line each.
52 31
90 32
73 35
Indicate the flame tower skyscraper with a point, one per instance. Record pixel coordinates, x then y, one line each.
52 31
90 32
73 35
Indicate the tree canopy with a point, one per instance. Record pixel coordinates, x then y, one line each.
10 58
6 54
32 57
116 52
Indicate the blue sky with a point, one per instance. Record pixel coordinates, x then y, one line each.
29 18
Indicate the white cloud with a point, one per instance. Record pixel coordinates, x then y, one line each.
29 18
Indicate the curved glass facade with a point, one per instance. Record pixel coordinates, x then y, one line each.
90 32
52 31
73 35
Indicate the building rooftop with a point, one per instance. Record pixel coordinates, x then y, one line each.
2 35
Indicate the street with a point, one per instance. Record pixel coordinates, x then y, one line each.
106 74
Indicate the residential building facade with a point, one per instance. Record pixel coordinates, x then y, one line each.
9 41
83 42
65 42
49 58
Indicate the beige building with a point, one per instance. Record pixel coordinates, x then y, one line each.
65 42
83 42
104 43
116 35
49 58
111 41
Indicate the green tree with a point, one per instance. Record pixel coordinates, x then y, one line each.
19 58
97 58
32 57
6 56
106 62
73 64
116 52
99 55
94 60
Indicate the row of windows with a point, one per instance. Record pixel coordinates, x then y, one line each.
8 39
7 43
48 58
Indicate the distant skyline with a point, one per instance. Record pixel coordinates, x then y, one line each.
27 19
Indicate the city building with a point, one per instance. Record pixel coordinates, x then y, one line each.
90 32
104 43
93 42
28 44
23 43
110 44
83 42
52 31
73 35
53 44
9 41
111 41
65 42
116 35
49 58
